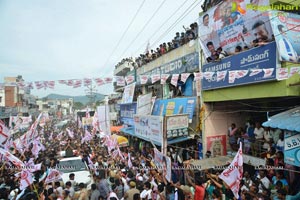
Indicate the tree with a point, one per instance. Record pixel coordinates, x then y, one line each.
78 105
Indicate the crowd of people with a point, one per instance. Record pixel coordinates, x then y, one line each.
180 39
114 178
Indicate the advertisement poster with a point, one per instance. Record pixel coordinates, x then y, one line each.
167 107
286 31
163 162
144 104
177 125
103 116
292 148
149 128
127 111
19 122
216 145
234 23
128 94
248 67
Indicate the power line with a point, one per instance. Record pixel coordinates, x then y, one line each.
161 25
123 35
150 19
180 18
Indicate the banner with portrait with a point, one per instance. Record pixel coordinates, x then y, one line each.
234 23
286 31
216 145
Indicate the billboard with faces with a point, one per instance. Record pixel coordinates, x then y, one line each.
234 23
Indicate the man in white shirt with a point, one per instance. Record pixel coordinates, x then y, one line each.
206 30
286 49
263 181
259 131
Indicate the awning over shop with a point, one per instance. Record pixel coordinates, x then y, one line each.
122 141
130 131
116 128
288 120
209 163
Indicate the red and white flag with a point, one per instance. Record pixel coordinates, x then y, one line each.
221 75
4 132
108 80
155 78
21 85
129 79
51 84
99 81
79 122
53 175
254 72
30 85
26 179
120 80
241 73
233 175
144 79
208 75
198 76
184 77
294 70
164 78
63 82
283 73
39 84
70 133
70 83
8 156
268 72
87 81
96 123
232 76
174 79
129 161
87 137
77 83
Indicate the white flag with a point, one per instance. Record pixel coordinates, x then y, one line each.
53 175
232 76
155 78
164 78
26 179
129 79
144 79
174 79
254 72
294 70
184 77
4 132
120 81
233 175
8 156
283 73
241 73
268 72
221 75
198 76
208 75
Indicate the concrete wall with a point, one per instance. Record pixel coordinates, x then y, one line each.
216 122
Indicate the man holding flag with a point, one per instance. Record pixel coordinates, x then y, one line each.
233 175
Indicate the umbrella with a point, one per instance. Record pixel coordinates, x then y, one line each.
116 128
122 141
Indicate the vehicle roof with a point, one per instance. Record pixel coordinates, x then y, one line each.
71 158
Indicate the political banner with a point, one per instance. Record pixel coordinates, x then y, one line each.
144 104
128 93
234 23
149 128
216 145
286 31
164 163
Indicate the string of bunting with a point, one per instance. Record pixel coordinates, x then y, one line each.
282 74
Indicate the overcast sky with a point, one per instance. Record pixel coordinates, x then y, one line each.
45 40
